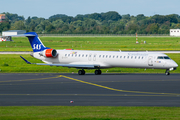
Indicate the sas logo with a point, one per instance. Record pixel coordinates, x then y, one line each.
36 46
158 61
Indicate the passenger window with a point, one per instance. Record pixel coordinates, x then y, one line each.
79 55
86 55
135 57
99 56
139 57
76 55
120 56
124 57
72 55
142 57
83 55
68 54
103 56
110 56
65 55
89 55
128 57
113 56
131 57
106 56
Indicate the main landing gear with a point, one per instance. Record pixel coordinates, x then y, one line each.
97 72
82 72
167 72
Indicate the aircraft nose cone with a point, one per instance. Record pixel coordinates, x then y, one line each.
174 64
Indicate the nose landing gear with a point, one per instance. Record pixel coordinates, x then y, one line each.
167 72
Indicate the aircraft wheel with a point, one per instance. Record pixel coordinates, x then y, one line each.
167 73
97 72
81 72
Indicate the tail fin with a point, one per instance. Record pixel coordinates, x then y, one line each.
35 42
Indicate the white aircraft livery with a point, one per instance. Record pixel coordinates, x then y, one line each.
83 59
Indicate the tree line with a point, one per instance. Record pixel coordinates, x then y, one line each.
96 23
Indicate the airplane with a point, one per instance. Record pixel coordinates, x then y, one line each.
86 59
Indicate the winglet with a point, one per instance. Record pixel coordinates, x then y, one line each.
25 60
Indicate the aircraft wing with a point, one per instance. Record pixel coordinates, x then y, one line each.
69 65
87 66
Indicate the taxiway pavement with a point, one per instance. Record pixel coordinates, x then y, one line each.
45 89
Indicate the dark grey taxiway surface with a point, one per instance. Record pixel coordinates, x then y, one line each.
44 89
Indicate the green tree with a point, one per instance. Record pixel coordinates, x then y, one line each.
49 28
140 17
152 28
4 26
111 15
95 16
127 16
172 18
18 25
28 20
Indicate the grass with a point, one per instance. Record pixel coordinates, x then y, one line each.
14 64
89 113
96 43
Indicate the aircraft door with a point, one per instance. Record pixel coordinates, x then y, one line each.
94 57
150 61
89 58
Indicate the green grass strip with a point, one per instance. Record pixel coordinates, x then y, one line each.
89 113
96 43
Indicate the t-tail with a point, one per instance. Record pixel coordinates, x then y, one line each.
38 46
35 42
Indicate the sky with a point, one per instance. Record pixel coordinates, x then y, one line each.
47 8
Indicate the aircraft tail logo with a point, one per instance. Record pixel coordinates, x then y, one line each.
35 42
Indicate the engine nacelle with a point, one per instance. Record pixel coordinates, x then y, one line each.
49 53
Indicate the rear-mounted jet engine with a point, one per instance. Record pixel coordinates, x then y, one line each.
49 53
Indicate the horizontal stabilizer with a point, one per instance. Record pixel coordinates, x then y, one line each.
25 60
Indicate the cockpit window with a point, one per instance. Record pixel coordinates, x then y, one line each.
160 57
163 57
166 57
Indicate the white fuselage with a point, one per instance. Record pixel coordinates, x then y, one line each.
109 59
